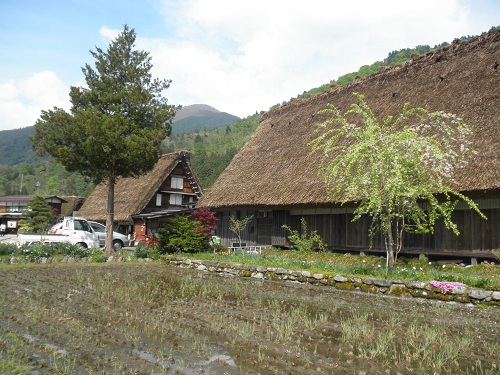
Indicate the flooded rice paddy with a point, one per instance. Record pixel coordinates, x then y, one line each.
154 319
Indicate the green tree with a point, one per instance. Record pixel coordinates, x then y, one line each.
116 123
39 216
400 169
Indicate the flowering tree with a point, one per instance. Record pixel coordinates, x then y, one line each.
236 226
399 170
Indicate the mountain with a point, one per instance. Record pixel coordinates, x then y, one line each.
15 147
200 117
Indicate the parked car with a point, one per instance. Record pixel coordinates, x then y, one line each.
75 230
119 240
56 228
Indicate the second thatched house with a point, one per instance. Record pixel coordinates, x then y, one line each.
274 176
144 203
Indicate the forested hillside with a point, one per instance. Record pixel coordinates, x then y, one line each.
15 147
45 178
21 170
213 150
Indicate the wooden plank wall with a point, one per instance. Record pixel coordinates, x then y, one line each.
476 234
340 232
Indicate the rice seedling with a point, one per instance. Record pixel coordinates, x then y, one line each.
192 316
246 330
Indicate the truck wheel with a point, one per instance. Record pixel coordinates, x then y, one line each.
83 245
117 245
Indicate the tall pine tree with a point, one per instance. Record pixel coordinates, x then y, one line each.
116 123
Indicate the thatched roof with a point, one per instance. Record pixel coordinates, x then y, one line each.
73 203
275 167
131 194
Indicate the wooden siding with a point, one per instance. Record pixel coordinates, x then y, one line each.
477 236
166 186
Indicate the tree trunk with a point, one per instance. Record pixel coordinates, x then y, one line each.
110 217
390 247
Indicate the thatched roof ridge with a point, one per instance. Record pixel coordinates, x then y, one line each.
275 167
131 194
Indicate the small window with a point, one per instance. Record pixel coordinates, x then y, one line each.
264 214
98 228
176 199
177 182
158 199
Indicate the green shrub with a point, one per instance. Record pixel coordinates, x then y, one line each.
41 250
304 241
98 256
181 234
141 251
81 252
155 251
37 250
8 248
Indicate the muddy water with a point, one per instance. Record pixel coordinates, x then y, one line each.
153 319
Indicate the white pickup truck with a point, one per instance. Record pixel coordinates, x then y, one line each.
74 230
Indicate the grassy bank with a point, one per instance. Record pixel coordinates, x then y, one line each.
486 276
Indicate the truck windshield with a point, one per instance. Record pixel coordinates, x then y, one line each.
82 225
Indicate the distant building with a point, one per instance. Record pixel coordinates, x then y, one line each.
12 207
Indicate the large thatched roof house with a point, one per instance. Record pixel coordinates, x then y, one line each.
142 204
274 176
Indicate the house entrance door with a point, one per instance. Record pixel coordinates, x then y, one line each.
264 228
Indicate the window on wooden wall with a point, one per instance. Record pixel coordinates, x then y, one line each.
176 199
177 182
158 199
190 202
264 214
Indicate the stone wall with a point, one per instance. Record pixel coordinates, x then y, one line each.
409 289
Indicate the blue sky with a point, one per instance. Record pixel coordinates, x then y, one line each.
239 57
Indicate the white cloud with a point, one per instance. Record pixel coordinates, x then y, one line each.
21 101
242 57
108 34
